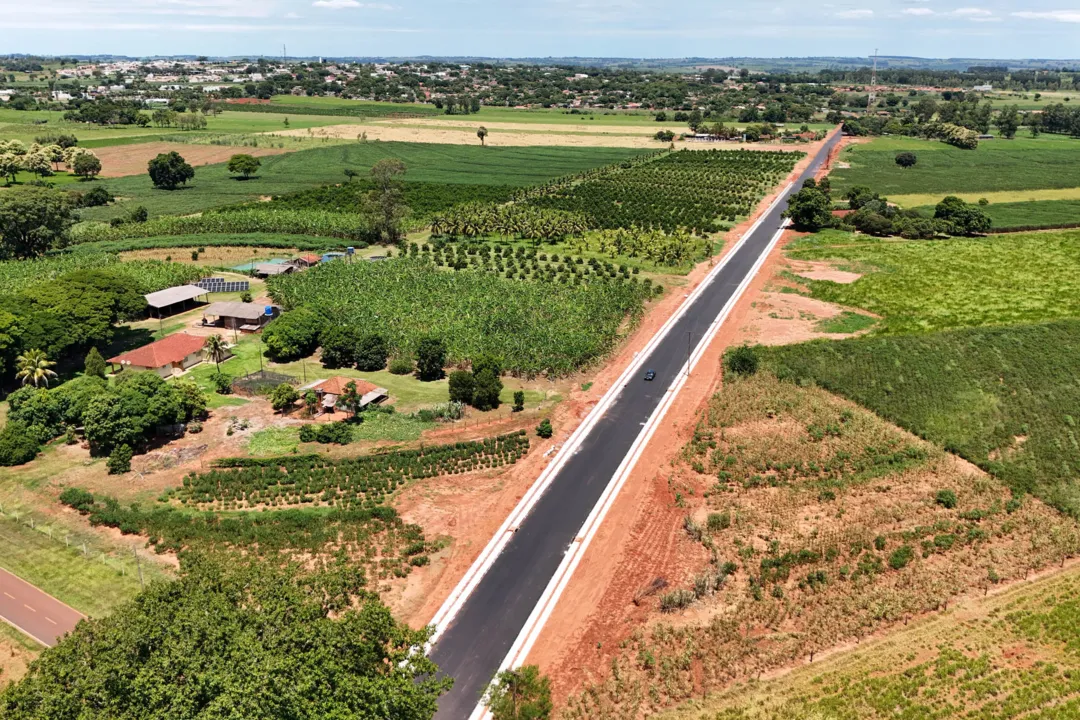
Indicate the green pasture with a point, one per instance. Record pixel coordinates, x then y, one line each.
1004 398
996 166
19 125
281 174
919 286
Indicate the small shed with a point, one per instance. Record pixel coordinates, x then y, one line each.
331 390
264 270
246 317
306 261
174 299
168 356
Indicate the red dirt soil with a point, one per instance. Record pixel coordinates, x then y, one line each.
642 537
123 160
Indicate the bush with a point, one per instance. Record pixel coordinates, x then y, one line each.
283 397
742 361
521 694
17 444
119 460
96 197
222 383
901 556
544 429
946 499
401 366
906 159
78 499
339 432
676 600
462 386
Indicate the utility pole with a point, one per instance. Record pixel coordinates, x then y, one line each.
873 85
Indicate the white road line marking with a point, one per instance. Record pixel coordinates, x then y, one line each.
50 620
10 595
29 608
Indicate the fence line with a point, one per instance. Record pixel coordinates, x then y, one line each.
119 561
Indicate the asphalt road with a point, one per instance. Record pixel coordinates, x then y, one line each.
36 613
472 648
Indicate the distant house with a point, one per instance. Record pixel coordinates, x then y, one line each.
330 391
168 356
246 317
307 260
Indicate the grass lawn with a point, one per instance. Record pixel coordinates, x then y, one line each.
280 174
994 198
996 166
83 583
943 284
846 323
273 441
1004 398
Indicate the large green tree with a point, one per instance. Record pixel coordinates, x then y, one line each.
237 639
430 359
294 335
169 170
810 209
32 220
521 694
385 204
244 165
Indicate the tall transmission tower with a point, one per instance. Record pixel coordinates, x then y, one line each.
284 56
873 85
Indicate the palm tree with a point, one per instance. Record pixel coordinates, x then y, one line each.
34 366
215 349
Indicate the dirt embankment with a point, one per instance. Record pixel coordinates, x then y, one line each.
123 160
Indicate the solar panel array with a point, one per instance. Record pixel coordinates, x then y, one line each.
216 285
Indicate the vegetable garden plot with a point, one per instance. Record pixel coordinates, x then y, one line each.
363 481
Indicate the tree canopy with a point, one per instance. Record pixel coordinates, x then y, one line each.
169 170
233 639
32 220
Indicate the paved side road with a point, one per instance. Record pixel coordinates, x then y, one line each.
34 612
483 631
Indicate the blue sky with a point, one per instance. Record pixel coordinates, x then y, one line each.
628 28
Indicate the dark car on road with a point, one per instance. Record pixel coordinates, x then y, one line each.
650 375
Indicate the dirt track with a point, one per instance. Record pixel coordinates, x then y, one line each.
123 160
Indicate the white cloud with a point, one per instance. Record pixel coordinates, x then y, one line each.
918 11
972 12
855 14
1065 16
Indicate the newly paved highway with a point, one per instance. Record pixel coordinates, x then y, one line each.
474 645
38 614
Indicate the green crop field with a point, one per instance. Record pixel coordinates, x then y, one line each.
1004 398
997 165
936 285
281 174
1031 214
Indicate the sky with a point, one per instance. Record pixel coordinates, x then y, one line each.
539 28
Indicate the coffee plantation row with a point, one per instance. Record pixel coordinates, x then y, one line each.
523 264
695 189
360 481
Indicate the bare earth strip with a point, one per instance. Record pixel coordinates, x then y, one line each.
122 160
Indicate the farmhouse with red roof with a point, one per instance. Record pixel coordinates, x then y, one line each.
166 357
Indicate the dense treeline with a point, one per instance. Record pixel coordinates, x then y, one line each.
237 638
